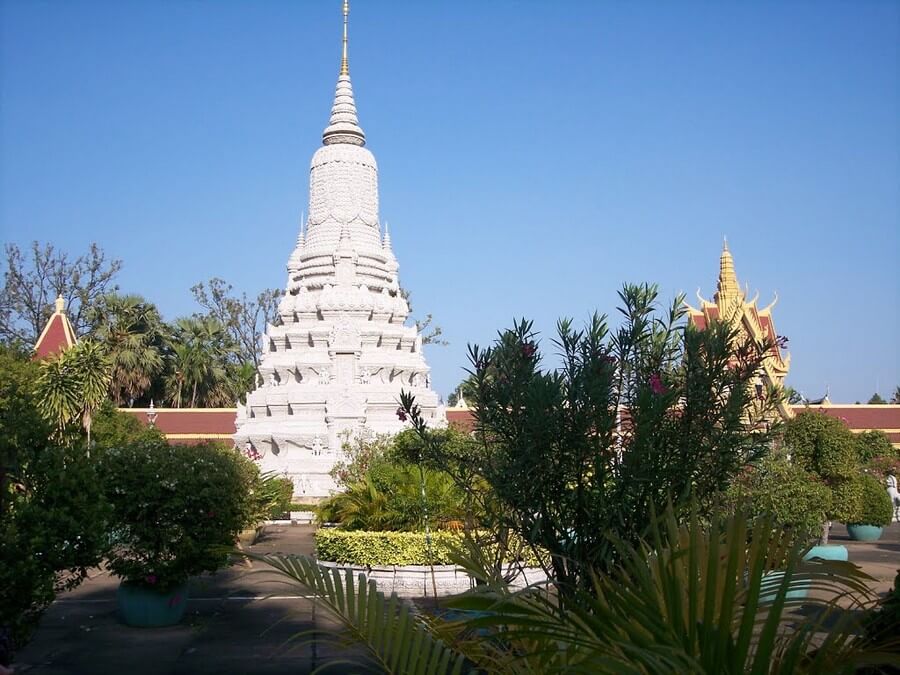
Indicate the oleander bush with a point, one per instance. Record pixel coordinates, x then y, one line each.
356 547
565 468
176 510
874 504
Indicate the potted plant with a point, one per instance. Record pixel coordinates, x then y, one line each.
826 449
874 512
176 512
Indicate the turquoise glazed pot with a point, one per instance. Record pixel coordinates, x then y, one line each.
145 608
797 589
828 552
864 532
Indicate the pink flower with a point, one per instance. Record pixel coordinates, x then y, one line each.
656 385
151 579
528 350
401 414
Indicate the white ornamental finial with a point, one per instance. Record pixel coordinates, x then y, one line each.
301 238
343 127
386 241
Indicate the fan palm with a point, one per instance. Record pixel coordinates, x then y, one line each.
201 352
131 329
714 597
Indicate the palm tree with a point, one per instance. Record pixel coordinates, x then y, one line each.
58 394
201 354
132 331
73 386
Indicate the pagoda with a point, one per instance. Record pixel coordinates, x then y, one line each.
730 304
340 352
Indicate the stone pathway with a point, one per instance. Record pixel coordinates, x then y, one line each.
242 620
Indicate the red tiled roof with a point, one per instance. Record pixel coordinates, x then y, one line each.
861 418
191 425
56 337
461 419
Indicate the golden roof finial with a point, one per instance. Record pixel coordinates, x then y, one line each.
728 284
345 64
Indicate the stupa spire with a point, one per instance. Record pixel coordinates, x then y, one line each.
343 127
345 63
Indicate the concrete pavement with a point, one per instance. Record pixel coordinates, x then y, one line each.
231 626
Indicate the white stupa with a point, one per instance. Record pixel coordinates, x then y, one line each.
341 353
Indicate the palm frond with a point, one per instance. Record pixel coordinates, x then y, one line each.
397 639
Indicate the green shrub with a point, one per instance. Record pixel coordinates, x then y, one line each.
825 447
780 489
389 497
113 428
53 518
357 547
54 529
282 493
846 496
175 510
874 444
874 504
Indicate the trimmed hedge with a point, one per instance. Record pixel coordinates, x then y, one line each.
360 547
875 506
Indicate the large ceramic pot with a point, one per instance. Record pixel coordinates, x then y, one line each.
797 588
828 552
144 607
859 532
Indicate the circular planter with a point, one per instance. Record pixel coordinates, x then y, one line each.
864 532
145 608
797 588
828 552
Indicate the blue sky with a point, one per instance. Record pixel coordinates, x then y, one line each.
533 156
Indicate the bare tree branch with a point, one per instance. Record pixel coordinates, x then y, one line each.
32 281
244 319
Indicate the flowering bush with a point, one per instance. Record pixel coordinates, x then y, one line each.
579 455
176 509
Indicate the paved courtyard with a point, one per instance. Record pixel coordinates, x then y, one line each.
241 620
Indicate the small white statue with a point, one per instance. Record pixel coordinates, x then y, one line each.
894 494
317 446
365 376
324 376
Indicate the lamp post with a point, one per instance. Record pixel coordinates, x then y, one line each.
151 414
